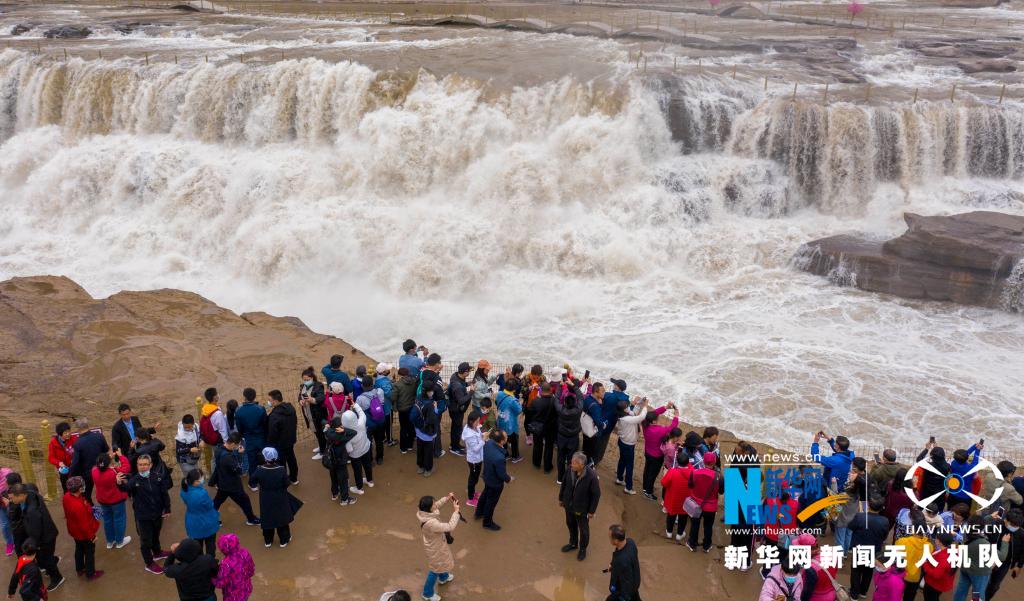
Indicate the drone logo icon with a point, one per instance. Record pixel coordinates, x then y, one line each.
954 483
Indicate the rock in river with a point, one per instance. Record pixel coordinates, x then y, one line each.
68 32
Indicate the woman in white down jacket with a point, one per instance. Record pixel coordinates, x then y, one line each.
359 447
627 428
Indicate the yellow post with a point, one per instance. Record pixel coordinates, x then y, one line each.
915 95
1002 92
207 450
27 473
826 93
952 93
765 83
51 473
794 91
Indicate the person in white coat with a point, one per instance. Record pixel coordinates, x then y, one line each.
627 428
358 448
473 438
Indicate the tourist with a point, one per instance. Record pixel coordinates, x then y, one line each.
626 426
509 409
706 484
405 398
213 424
371 401
869 530
624 583
5 518
82 527
109 476
856 487
610 408
33 518
568 432
1013 560
426 425
146 444
187 445
837 465
915 545
60 452
974 574
359 448
251 422
654 436
933 482
593 422
544 424
824 588
691 446
779 530
512 380
311 403
126 430
230 409
228 479
676 488
495 477
400 595
745 458
336 402
192 570
964 461
889 582
202 520
412 358
482 382
989 484
670 447
236 570
437 538
277 506
337 459
709 441
332 373
150 504
940 577
531 391
579 495
460 397
282 433
85 450
387 388
783 580
474 439
27 579
884 473
490 416
896 498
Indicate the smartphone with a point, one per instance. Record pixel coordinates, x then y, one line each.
877 458
981 442
586 374
931 440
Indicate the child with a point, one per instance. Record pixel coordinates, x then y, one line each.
27 579
202 520
187 444
236 569
82 526
888 582
490 418
474 441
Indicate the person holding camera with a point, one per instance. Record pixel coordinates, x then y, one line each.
437 539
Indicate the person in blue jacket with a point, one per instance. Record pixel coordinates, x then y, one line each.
202 520
963 462
610 409
592 406
251 423
495 477
332 372
837 465
509 409
383 381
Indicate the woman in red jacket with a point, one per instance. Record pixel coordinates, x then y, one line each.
705 486
61 451
675 486
939 579
82 527
106 482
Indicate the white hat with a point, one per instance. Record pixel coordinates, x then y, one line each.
383 368
337 387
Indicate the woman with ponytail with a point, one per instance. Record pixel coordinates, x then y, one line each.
202 520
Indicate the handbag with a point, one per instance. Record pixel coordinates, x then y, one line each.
587 425
692 507
841 593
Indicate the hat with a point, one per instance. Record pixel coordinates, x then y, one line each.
710 459
806 540
383 368
620 383
463 367
269 454
483 364
337 387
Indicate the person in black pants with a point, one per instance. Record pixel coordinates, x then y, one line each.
427 424
282 425
228 478
568 431
337 437
867 530
705 486
495 477
544 428
460 395
89 446
579 496
151 504
405 398
33 519
192 570
277 505
624 581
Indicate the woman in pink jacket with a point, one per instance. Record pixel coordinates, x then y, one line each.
888 582
783 583
653 435
705 486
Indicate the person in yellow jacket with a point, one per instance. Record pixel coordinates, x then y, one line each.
914 544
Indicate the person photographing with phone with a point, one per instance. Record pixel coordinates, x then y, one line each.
437 538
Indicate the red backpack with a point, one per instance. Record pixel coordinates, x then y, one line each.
207 432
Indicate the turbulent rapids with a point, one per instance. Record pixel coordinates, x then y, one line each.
377 201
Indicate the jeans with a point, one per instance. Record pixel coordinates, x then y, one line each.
376 437
85 557
430 584
652 468
844 538
114 522
624 471
965 581
601 443
208 545
149 537
5 525
474 477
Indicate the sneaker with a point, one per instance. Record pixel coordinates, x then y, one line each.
428 473
441 455
404 451
679 538
529 440
629 491
110 545
294 482
379 461
80 573
316 451
492 527
649 496
369 483
581 555
620 482
690 547
162 555
10 549
390 443
124 542
317 457
348 501
446 581
707 549
558 482
254 488
419 470
55 585
283 545
436 597
457 452
334 497
354 490
517 459
268 545
471 502
668 534
153 568
96 575
253 522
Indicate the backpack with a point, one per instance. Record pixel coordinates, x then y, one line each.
207 432
376 408
417 419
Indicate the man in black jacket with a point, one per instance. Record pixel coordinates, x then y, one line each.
544 428
460 394
282 425
192 570
568 428
31 518
151 505
126 430
228 478
495 477
89 446
624 583
1012 535
579 496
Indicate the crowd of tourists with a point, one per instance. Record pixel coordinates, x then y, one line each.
565 420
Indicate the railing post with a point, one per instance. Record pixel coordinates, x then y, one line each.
51 473
27 473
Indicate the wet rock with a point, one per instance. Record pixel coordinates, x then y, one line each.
125 28
68 32
987 66
20 29
967 259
